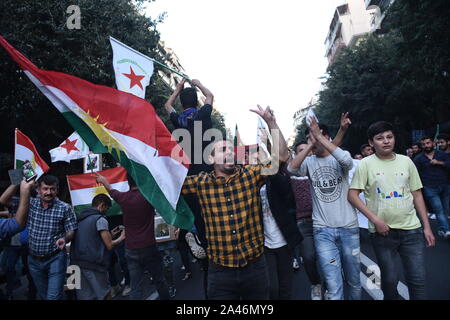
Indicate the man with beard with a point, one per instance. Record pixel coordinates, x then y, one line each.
52 224
444 143
433 166
231 208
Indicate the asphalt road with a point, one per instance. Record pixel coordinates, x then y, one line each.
437 266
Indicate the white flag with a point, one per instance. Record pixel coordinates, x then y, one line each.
263 136
133 70
71 149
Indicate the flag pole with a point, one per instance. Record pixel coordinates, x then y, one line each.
170 69
15 144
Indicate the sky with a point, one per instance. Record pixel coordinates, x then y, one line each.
249 52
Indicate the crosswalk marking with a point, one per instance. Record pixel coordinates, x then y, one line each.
375 291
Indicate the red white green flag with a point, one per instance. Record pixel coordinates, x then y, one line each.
124 125
84 187
25 150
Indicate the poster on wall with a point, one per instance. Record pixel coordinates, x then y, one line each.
92 163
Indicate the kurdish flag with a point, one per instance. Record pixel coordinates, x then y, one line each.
84 187
124 125
25 150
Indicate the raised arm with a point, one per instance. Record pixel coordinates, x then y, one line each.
101 179
7 194
344 124
344 159
295 164
169 104
24 202
208 95
275 131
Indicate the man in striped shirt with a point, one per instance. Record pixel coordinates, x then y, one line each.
231 208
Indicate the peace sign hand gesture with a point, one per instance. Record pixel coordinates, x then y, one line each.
266 114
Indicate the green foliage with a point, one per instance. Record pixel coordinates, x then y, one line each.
401 76
38 30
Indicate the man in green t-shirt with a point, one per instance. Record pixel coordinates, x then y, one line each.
392 189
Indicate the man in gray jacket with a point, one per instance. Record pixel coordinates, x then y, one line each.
335 223
90 250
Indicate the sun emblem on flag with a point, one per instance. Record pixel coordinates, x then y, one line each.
102 132
99 189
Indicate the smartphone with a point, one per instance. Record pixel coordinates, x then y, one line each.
28 171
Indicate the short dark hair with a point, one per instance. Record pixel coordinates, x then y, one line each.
323 127
131 181
49 180
101 198
188 98
417 144
365 145
444 136
379 127
426 137
299 143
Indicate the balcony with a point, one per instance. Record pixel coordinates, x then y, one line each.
382 4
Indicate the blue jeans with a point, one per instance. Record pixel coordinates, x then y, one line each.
439 202
410 245
140 260
338 255
250 282
120 254
49 276
13 254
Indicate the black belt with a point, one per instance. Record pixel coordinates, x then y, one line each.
47 256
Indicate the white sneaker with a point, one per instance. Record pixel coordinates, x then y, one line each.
196 249
295 264
316 292
126 291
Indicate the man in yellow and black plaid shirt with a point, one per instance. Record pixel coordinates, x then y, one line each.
231 209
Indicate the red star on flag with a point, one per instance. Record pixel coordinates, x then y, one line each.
135 79
70 145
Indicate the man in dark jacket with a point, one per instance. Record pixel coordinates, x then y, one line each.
90 250
281 234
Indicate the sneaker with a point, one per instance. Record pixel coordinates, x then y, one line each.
153 296
187 276
115 291
172 292
126 291
316 292
432 216
295 264
196 249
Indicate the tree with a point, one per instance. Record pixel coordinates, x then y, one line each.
401 76
38 29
